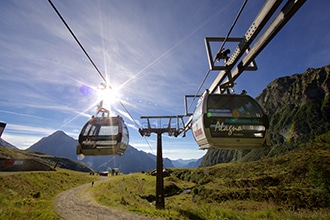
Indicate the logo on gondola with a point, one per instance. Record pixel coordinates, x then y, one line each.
198 132
227 128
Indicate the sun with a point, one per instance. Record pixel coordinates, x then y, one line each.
108 95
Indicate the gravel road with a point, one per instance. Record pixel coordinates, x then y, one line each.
78 204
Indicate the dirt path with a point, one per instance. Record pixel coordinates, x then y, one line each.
78 204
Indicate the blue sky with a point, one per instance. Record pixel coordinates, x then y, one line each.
152 52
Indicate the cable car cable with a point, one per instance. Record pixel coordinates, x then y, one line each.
199 88
76 39
128 113
221 48
89 58
92 62
232 27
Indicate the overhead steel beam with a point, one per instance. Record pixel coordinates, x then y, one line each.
259 22
289 9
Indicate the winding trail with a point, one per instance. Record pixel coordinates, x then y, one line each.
78 204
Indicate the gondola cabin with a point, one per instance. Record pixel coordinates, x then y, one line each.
103 136
229 121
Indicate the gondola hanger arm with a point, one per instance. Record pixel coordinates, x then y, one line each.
259 22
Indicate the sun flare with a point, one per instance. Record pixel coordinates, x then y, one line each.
108 95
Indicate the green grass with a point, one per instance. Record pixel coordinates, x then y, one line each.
30 195
292 186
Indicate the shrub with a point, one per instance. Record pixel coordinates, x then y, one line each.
36 195
318 175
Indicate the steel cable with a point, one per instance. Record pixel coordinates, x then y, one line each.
89 58
221 48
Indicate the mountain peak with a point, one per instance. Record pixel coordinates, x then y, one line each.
58 133
57 144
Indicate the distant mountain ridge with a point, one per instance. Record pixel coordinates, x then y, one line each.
61 145
298 107
183 163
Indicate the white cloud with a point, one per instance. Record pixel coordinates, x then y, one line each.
22 114
21 141
25 129
23 136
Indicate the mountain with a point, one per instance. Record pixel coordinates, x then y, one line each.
166 162
191 163
57 144
5 144
194 164
182 163
61 145
298 107
133 160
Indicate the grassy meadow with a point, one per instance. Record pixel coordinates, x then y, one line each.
30 195
292 186
295 185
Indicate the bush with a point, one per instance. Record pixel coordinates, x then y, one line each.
36 195
318 175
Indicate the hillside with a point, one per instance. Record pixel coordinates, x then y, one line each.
295 185
30 195
291 186
298 107
13 159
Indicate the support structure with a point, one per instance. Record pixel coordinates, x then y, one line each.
229 73
160 202
226 75
172 128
